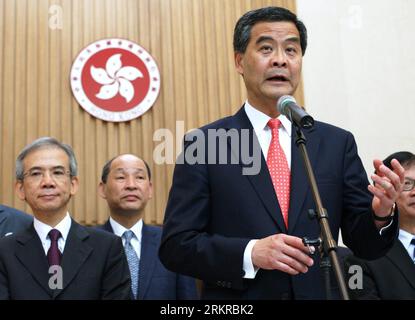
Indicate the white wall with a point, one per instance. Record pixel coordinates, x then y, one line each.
359 71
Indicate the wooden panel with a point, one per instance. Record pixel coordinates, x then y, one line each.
191 40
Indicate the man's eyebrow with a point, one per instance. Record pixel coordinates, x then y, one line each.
268 38
43 168
263 38
293 39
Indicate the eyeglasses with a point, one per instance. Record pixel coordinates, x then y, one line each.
36 175
408 184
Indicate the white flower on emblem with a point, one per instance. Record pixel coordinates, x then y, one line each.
115 79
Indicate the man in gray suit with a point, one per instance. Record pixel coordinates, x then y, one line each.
12 221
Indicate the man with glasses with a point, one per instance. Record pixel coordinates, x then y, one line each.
393 276
56 258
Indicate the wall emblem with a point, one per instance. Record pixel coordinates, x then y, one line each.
115 80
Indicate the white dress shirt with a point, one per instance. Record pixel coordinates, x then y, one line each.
43 229
259 122
136 229
406 238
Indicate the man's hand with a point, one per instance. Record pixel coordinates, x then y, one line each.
281 252
388 186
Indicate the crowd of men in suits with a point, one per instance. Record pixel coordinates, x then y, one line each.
92 263
89 273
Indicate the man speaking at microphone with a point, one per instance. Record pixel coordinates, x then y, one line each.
242 233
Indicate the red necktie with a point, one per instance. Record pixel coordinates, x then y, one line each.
279 170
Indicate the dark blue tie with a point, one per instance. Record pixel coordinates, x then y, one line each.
413 254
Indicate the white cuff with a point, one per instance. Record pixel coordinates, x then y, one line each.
248 266
385 227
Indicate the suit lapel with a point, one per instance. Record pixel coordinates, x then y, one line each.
400 258
299 179
2 215
75 254
148 257
261 182
107 227
3 218
32 255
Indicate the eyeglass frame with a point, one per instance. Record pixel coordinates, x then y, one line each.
28 174
413 184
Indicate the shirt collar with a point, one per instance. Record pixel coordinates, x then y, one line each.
259 120
406 238
120 229
43 229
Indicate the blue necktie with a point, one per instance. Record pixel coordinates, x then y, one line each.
413 254
133 261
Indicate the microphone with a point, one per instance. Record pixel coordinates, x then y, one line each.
287 106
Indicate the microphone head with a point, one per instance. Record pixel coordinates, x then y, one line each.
288 107
283 102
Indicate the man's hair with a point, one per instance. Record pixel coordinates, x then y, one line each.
107 167
405 158
243 27
45 142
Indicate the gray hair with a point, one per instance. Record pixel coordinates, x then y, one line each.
45 142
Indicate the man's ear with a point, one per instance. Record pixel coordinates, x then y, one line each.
101 190
18 187
239 63
151 190
74 185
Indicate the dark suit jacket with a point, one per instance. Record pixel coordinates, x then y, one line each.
93 263
390 277
155 281
12 220
214 210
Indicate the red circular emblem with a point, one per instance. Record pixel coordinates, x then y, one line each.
115 80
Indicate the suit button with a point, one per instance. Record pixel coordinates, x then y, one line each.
285 296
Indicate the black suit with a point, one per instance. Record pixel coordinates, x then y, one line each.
12 220
155 281
93 263
390 277
214 210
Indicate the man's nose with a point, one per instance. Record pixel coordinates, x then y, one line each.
47 179
279 58
131 182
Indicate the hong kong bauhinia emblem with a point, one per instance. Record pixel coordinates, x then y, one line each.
115 80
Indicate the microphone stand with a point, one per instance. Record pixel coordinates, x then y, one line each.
327 245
